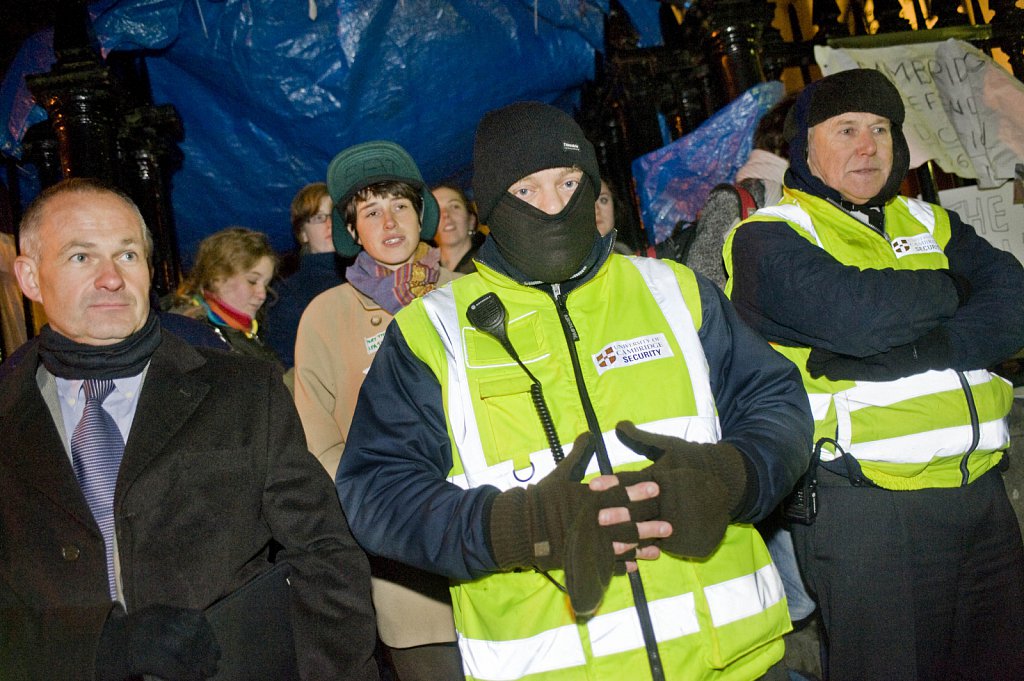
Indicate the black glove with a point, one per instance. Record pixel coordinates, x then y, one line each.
176 644
930 351
554 524
962 284
702 487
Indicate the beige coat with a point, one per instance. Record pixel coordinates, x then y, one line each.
338 336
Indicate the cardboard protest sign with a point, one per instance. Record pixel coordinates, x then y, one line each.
994 213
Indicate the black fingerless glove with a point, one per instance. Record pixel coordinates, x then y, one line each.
554 524
703 487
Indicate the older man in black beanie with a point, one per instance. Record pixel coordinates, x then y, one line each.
892 308
492 398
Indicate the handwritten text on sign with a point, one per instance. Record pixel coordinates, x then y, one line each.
992 212
963 109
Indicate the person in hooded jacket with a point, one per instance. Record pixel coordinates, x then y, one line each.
491 398
892 308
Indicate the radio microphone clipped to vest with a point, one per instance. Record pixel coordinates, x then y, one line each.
487 313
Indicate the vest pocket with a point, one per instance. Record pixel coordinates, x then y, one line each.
509 420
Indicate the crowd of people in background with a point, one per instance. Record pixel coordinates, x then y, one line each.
516 417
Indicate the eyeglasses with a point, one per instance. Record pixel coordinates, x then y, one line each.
319 218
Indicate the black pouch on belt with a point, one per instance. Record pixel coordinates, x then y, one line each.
801 506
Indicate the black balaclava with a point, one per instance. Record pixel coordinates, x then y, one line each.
856 90
516 141
547 248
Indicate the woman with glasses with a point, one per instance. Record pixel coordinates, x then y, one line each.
319 269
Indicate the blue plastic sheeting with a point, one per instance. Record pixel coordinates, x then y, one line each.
16 102
268 94
673 182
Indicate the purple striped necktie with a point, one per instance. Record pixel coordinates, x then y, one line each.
96 451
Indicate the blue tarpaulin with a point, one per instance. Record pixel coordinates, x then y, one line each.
673 182
270 90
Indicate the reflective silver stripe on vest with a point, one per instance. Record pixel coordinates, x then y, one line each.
922 212
819 405
503 476
664 287
744 596
792 213
662 282
440 308
619 631
548 651
918 447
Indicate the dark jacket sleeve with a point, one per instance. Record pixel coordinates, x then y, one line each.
392 477
990 327
332 613
794 293
761 401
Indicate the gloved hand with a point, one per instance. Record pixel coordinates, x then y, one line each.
176 644
930 351
702 486
962 284
554 524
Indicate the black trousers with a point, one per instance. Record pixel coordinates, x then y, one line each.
925 584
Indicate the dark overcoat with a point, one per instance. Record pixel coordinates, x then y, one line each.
215 476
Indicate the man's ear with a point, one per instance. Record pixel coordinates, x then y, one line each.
27 272
352 231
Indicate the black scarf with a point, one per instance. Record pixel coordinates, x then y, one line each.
68 359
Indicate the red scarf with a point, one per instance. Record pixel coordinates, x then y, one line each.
229 316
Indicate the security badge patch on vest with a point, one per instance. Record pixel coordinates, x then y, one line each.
914 245
629 352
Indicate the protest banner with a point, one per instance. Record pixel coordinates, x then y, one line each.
963 109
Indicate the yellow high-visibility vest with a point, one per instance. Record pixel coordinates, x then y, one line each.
639 358
933 429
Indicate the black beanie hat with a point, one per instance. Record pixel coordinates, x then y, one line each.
520 139
864 90
856 90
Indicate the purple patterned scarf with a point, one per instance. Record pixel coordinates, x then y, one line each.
394 289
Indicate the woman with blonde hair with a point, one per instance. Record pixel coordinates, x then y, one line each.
228 286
